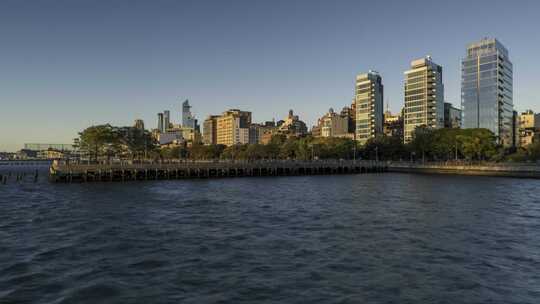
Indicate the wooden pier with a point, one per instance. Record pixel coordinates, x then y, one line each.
66 172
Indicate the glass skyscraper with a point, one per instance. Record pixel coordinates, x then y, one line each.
486 89
187 119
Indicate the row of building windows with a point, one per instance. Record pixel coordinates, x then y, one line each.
414 109
411 80
361 127
363 91
416 74
362 105
414 92
414 103
414 97
417 85
414 121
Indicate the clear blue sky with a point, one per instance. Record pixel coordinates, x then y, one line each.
65 65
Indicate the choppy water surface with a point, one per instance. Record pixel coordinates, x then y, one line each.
376 238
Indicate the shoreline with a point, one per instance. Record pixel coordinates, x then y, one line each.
530 171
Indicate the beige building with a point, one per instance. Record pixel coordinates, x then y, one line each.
424 97
178 135
369 106
232 127
529 128
393 125
333 124
292 125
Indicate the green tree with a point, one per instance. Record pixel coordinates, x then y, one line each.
385 148
533 151
422 142
289 149
137 142
99 140
477 144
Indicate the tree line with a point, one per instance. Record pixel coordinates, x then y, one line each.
106 141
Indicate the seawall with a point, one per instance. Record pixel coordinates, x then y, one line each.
485 169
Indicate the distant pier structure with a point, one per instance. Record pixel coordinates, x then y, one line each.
129 171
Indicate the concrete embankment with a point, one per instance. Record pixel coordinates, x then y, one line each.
487 169
67 172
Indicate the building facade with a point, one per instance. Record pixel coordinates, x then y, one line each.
257 131
424 97
369 106
44 147
452 116
160 123
188 120
349 113
233 127
210 130
529 128
487 89
393 125
166 119
178 135
139 124
333 124
292 125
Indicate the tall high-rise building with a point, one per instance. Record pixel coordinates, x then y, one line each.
424 97
486 89
233 127
166 119
160 122
369 106
188 120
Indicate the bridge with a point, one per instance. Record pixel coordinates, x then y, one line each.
130 171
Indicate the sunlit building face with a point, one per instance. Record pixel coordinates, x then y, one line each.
486 89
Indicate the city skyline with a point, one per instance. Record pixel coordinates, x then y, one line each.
303 75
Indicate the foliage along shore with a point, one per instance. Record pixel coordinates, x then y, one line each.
106 141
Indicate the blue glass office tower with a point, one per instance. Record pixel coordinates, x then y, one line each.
486 89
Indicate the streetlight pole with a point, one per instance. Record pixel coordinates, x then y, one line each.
145 148
456 151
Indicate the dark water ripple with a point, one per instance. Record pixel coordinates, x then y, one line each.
387 238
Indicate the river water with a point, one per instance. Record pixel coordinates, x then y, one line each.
373 238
